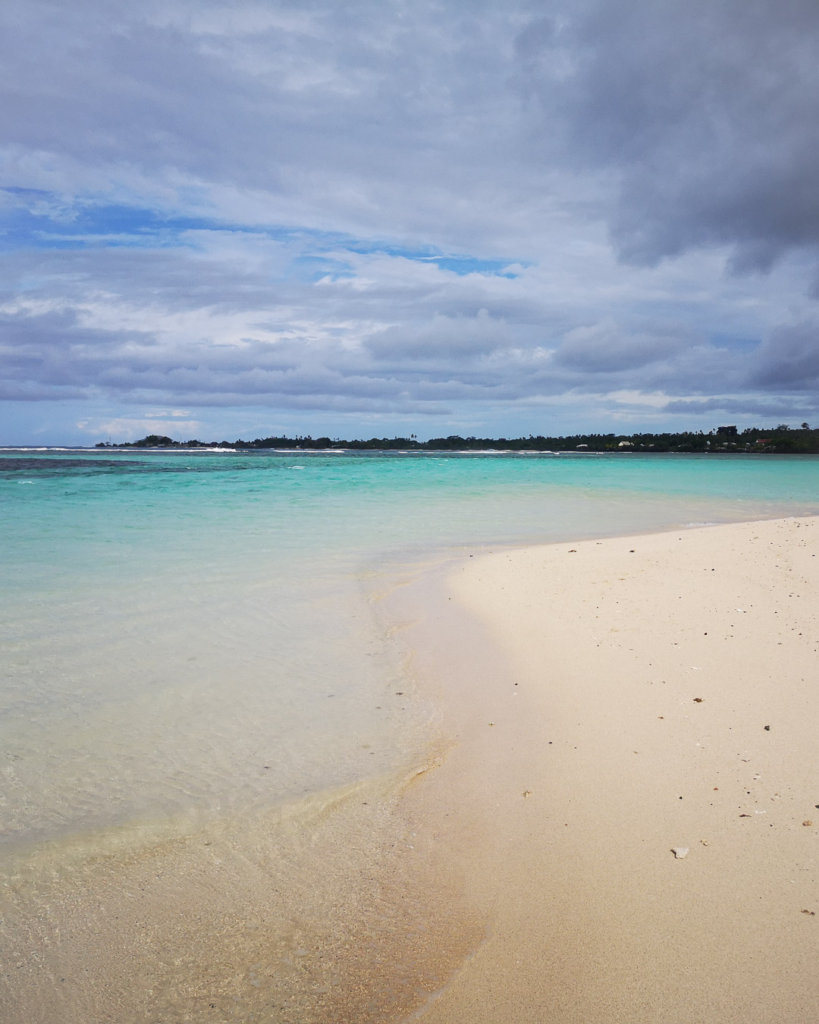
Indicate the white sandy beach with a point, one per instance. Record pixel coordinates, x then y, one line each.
610 702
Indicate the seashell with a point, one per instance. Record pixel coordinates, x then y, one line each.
679 851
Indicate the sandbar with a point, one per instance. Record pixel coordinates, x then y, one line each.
631 792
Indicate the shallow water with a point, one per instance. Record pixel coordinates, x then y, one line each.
190 640
188 634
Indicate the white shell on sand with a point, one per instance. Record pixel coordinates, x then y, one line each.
679 851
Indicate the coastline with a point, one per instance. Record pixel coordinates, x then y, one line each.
610 702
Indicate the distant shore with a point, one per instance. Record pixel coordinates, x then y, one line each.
632 795
781 440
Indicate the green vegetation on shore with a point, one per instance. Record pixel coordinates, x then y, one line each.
780 439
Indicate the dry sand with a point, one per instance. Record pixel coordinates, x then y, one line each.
610 701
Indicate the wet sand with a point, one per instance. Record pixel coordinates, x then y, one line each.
320 912
609 703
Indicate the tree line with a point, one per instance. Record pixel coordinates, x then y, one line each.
780 439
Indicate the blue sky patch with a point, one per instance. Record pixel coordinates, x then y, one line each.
36 219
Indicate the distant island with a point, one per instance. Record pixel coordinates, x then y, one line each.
778 440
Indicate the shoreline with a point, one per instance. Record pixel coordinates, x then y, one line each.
610 702
522 870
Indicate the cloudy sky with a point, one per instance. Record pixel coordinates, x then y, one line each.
383 217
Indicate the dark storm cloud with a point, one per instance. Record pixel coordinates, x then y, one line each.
607 347
767 411
54 349
443 338
789 359
705 111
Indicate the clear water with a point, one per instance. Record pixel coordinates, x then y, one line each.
205 716
189 634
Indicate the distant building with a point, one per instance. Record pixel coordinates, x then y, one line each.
728 431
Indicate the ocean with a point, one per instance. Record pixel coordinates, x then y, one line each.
198 676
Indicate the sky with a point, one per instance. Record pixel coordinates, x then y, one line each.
378 218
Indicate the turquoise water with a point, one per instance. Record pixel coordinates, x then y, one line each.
189 634
206 714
